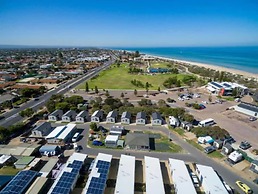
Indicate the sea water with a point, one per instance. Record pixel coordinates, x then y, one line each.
240 58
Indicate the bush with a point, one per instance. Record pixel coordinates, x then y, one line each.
215 132
94 127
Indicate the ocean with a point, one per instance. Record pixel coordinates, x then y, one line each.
240 58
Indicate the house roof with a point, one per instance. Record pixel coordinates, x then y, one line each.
141 115
25 160
6 97
126 115
97 113
137 139
83 113
69 113
113 113
56 112
43 127
228 146
248 106
155 116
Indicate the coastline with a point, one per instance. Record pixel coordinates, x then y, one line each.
210 66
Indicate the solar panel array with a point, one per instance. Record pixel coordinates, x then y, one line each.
216 84
98 184
66 180
20 182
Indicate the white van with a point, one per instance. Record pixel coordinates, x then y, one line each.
76 137
207 122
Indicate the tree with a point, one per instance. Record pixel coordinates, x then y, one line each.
107 93
86 87
188 117
234 92
65 106
94 127
221 76
137 54
210 98
96 90
158 89
162 103
122 95
106 108
135 92
27 112
74 100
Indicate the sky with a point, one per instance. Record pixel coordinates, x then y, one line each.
129 23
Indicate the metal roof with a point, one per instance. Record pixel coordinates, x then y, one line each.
137 139
43 127
61 132
20 182
153 176
48 167
97 113
37 185
112 114
56 112
181 177
99 174
83 113
125 175
210 180
70 113
126 115
141 115
156 115
248 106
68 176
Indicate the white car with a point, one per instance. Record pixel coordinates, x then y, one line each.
204 102
181 99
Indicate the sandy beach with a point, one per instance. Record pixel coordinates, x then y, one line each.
218 68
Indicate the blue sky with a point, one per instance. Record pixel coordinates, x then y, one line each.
129 22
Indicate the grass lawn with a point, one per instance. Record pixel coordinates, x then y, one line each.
216 154
159 64
178 130
8 170
193 143
119 78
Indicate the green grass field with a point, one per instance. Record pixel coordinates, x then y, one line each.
159 64
8 170
119 78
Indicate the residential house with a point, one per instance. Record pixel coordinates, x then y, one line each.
6 160
82 117
156 118
173 121
126 118
141 118
218 144
186 125
227 149
69 116
137 141
41 130
97 116
52 150
112 116
56 115
111 141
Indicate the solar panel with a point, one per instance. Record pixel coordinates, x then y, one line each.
97 184
20 182
216 84
67 178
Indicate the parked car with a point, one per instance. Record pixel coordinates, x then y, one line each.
209 149
252 119
228 140
204 102
245 145
97 143
244 187
102 129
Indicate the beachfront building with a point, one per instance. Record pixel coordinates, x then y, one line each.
181 177
226 88
153 176
125 175
210 180
248 109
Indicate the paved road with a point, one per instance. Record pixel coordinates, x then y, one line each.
13 116
193 154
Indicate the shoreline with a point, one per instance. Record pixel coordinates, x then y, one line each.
209 66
